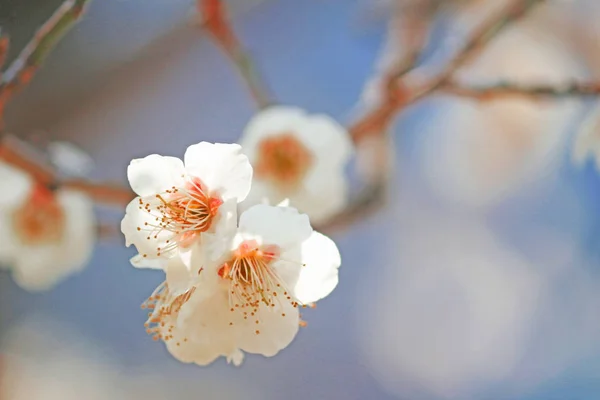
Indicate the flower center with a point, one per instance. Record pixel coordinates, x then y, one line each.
164 308
185 212
252 280
41 219
283 159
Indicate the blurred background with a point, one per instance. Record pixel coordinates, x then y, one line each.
480 279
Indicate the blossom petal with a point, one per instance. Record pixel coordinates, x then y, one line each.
80 230
326 139
282 226
138 226
319 275
8 245
39 268
324 195
139 261
222 167
206 321
237 358
15 186
34 270
178 276
276 329
155 174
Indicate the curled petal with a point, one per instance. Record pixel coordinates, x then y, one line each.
155 174
319 274
222 167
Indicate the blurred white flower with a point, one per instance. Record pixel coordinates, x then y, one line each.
176 203
587 140
70 160
241 288
44 235
300 157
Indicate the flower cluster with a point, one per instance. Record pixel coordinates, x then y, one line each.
237 268
45 235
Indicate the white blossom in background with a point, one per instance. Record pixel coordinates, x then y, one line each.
178 200
241 288
44 235
300 157
587 140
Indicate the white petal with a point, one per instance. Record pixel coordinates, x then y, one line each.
178 276
15 186
237 358
146 239
8 245
276 331
155 174
80 231
139 261
327 139
319 275
206 321
323 196
282 226
37 268
222 167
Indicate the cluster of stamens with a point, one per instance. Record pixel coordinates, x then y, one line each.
40 220
253 283
283 159
184 212
164 308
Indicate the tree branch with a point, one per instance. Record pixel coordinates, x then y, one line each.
33 55
400 95
503 90
216 22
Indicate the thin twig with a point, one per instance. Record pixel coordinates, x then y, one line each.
503 90
413 26
33 55
477 42
4 45
381 116
103 193
11 152
216 22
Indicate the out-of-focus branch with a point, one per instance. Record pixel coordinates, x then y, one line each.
411 27
16 154
33 55
4 45
19 74
105 193
400 95
477 42
11 152
216 22
503 90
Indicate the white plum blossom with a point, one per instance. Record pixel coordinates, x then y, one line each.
179 200
241 288
300 157
45 235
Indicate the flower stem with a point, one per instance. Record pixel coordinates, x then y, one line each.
217 24
22 70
